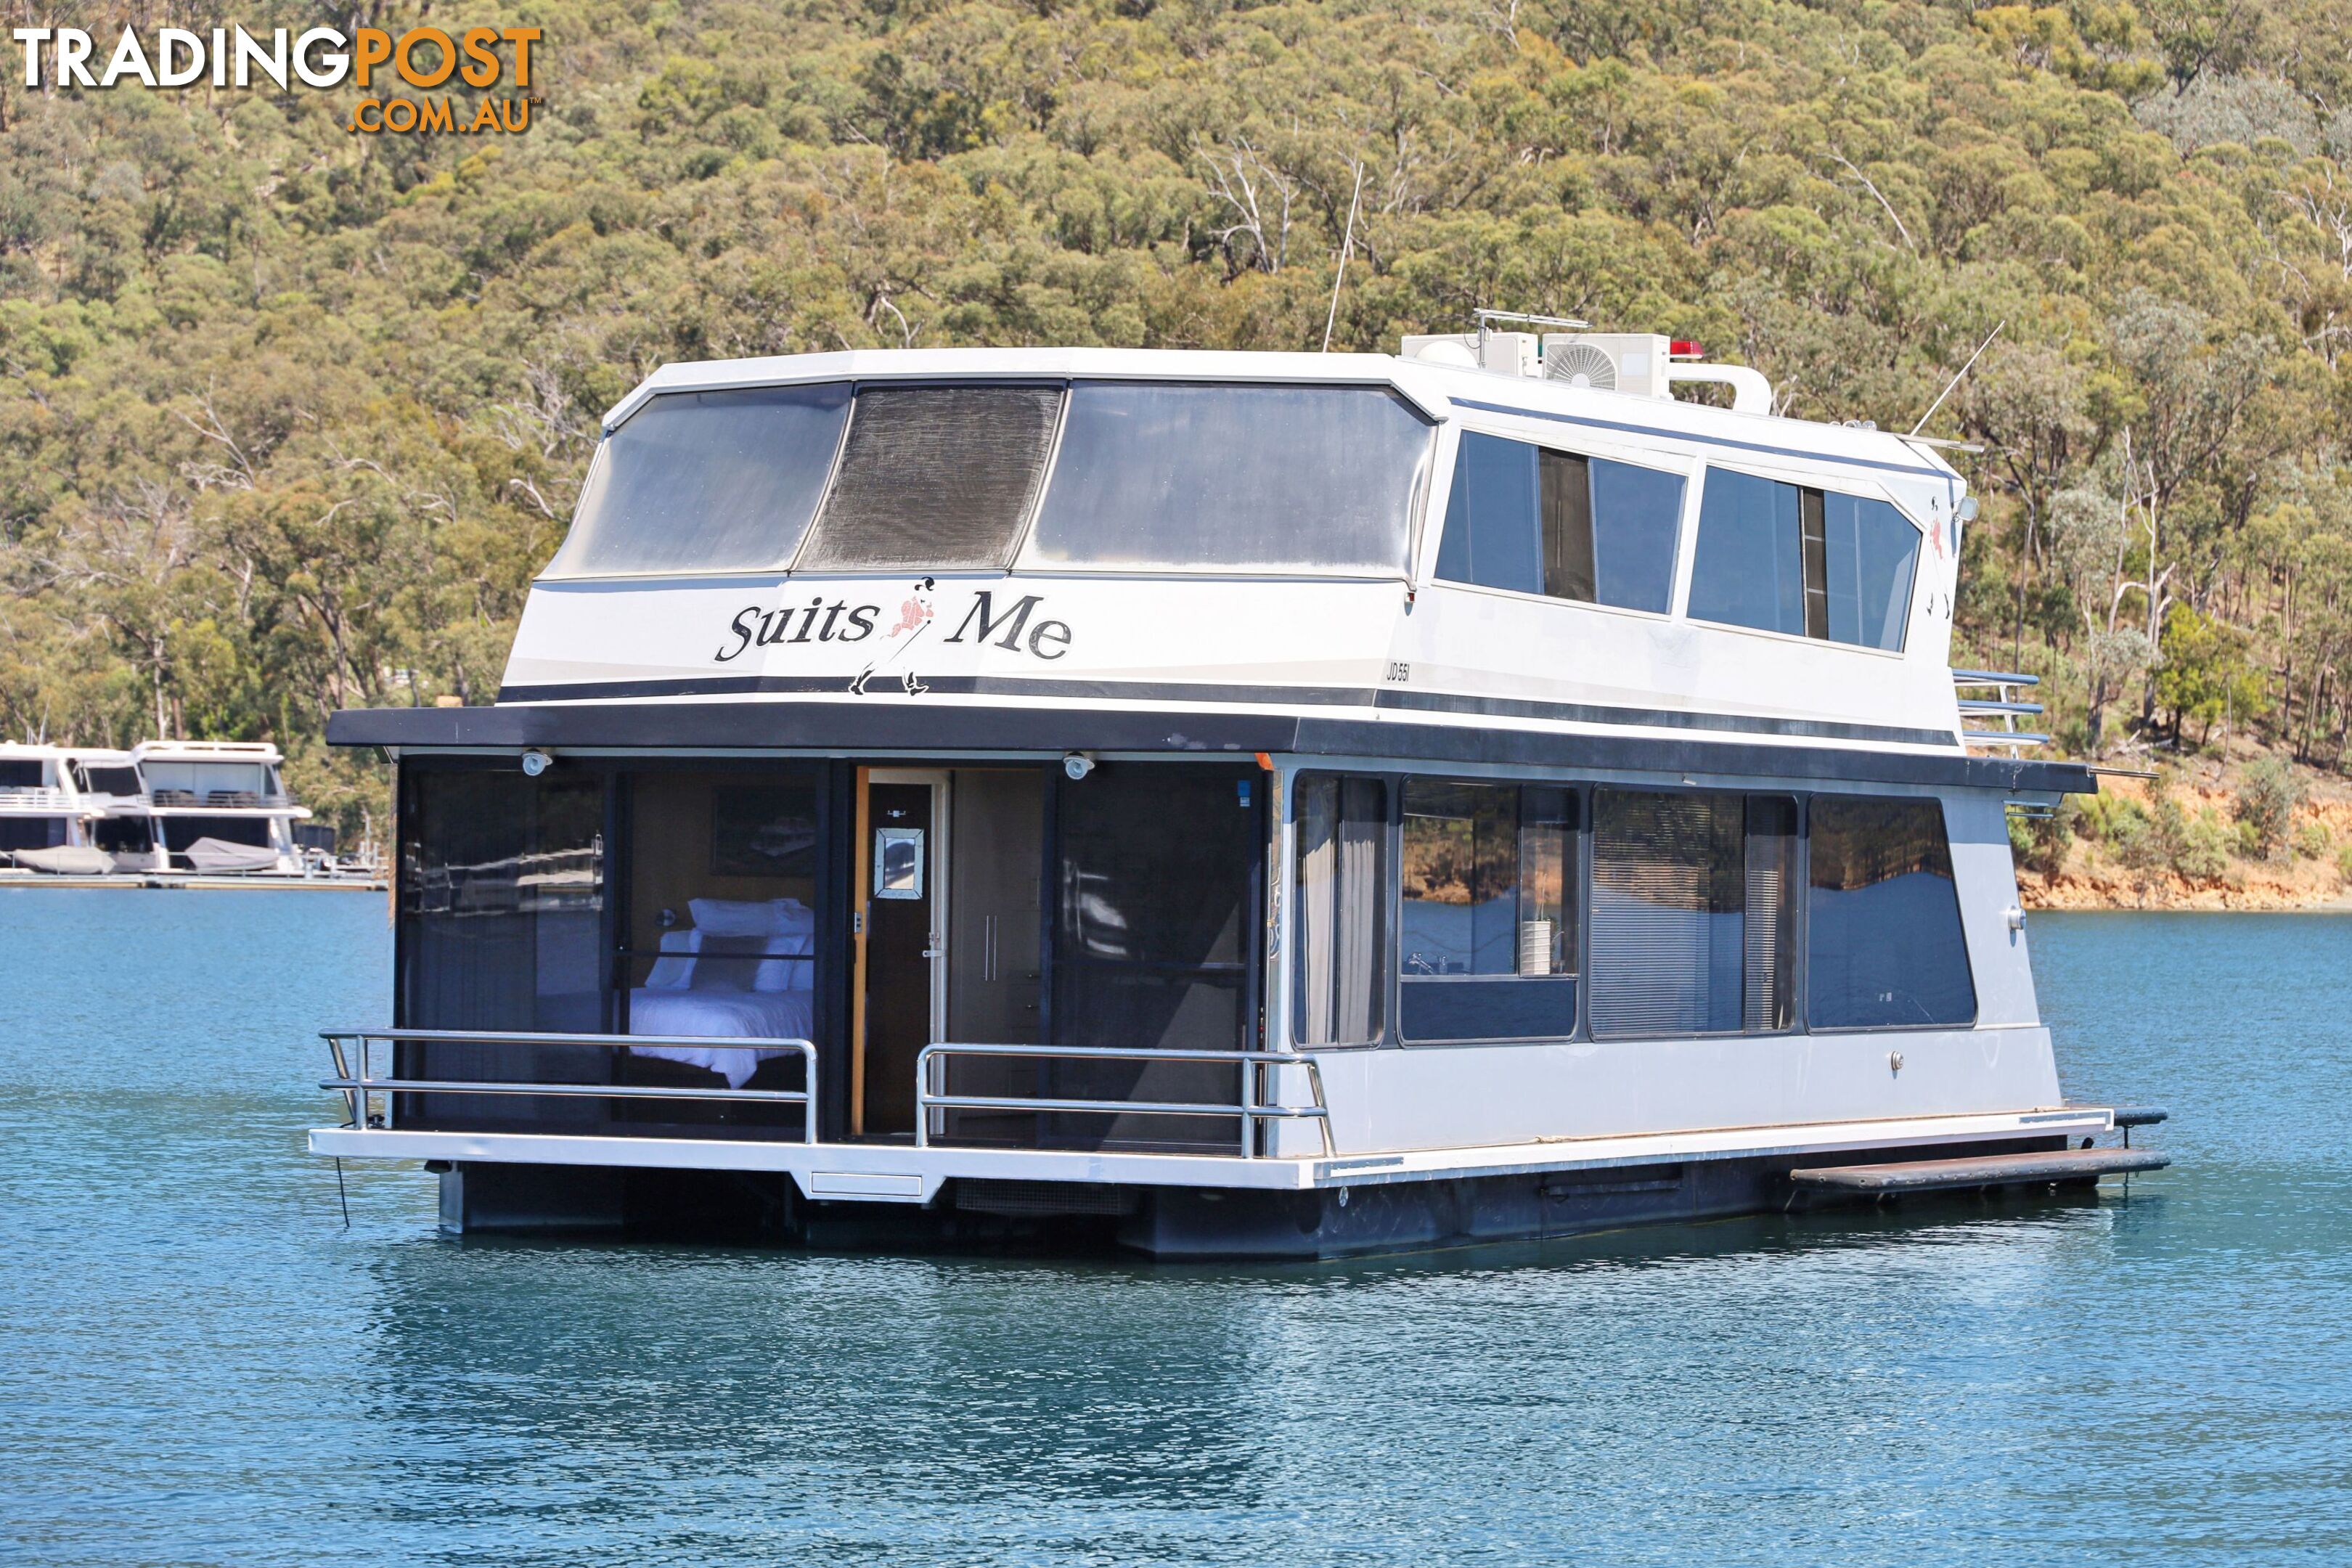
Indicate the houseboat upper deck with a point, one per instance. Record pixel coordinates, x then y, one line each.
1195 789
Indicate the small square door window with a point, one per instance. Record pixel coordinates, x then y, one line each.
897 862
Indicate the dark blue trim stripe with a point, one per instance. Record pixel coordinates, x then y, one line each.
1703 440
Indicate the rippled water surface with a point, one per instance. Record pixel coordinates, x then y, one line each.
199 1364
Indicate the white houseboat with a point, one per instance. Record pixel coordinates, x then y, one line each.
220 807
47 822
166 813
1240 804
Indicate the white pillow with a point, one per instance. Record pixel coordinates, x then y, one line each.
796 974
671 973
733 917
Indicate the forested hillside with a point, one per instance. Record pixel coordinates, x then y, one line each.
289 415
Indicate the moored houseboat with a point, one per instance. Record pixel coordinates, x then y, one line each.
163 813
1242 804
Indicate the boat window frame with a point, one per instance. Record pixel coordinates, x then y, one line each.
1857 486
1804 979
1800 871
1578 873
1417 505
1686 465
602 457
1016 538
1019 560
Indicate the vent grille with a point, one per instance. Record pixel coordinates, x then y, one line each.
974 1197
1582 364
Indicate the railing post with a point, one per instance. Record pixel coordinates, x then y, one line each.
1249 1105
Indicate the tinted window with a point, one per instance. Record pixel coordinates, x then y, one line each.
501 893
1539 521
20 773
1154 944
1784 558
1872 550
712 481
1693 913
179 832
1749 570
32 832
97 780
1342 836
1233 477
1637 515
1886 946
1487 928
934 478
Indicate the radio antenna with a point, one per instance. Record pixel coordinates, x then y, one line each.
1955 378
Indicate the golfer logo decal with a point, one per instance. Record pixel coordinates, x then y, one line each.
914 620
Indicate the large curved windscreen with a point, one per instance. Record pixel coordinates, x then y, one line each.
1237 477
708 481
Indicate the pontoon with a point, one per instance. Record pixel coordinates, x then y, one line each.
1236 804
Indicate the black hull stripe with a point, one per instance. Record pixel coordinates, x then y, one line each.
886 688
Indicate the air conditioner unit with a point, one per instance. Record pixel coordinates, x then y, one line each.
1511 353
1634 363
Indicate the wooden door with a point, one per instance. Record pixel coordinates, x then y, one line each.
903 941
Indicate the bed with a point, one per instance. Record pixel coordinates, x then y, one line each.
743 969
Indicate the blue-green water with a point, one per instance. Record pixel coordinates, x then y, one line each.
198 1364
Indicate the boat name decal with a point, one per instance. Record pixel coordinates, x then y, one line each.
1016 627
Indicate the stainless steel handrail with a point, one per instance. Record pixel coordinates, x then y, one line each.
1251 1107
2002 705
356 1085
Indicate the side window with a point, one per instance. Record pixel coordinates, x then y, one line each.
1885 946
1341 895
1539 521
1487 931
1694 913
1788 558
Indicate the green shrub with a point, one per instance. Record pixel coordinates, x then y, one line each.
2312 841
2268 797
2131 832
2040 843
2201 852
2343 863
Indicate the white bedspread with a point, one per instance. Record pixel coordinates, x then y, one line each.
766 1014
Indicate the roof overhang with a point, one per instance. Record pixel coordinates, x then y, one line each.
912 728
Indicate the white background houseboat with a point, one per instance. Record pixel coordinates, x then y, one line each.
1269 804
164 814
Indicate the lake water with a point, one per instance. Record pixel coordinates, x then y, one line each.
200 1363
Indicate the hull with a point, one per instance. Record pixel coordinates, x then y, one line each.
1168 1224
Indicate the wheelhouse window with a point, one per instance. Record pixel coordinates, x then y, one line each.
1813 563
1539 521
1233 478
1342 827
934 478
1487 928
1886 946
20 773
1694 914
99 778
708 481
